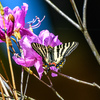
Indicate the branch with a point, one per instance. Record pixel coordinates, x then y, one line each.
84 13
81 27
4 88
92 46
26 84
63 14
10 64
2 92
77 14
77 80
8 52
6 76
84 30
50 86
21 86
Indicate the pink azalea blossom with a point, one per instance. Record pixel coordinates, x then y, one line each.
17 24
30 56
49 39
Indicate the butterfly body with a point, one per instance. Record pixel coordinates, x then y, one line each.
54 56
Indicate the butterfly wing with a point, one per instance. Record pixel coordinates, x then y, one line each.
57 54
63 50
41 50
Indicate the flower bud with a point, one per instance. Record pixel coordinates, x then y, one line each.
11 17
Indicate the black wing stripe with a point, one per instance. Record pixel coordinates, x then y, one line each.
34 46
65 47
39 49
60 50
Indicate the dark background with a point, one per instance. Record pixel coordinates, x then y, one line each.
81 64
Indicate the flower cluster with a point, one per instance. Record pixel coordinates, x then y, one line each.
15 25
30 56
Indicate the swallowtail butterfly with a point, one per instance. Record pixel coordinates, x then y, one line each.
54 56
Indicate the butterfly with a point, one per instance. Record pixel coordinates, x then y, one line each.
54 56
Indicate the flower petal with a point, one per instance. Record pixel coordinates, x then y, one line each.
24 62
55 69
19 15
48 38
38 66
24 31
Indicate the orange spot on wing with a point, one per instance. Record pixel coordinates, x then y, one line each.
52 64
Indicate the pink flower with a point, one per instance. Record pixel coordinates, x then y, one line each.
14 21
49 39
30 56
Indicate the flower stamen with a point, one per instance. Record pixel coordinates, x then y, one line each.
33 21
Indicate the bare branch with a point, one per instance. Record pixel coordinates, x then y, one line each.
76 13
77 80
84 13
63 14
50 86
2 92
82 26
21 85
92 46
4 88
26 85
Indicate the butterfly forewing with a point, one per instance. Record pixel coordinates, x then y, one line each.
62 51
71 48
40 49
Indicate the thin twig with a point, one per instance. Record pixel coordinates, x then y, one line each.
4 88
8 52
51 86
48 78
92 46
84 30
22 73
6 76
2 91
77 80
16 43
9 58
31 72
26 97
26 84
84 13
81 27
77 14
63 14
7 44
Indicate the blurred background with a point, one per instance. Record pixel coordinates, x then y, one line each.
81 64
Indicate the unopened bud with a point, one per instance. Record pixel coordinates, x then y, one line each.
11 17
